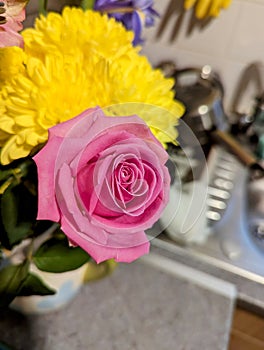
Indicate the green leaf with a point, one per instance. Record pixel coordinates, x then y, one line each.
55 255
18 208
43 7
11 280
4 346
33 285
5 174
87 4
9 209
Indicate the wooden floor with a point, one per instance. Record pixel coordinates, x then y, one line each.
247 331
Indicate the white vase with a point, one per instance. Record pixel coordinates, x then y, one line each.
66 284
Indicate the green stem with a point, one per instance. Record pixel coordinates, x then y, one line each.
43 7
87 4
30 250
6 184
13 175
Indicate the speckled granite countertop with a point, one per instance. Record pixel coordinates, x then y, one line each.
139 307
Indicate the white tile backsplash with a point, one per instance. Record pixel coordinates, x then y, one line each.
228 43
247 38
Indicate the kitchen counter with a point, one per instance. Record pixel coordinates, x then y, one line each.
144 305
250 287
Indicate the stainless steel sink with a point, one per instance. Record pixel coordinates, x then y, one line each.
234 237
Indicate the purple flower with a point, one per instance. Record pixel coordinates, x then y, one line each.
134 14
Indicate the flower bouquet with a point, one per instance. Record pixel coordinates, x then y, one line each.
84 124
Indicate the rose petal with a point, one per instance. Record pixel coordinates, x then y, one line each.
75 214
101 253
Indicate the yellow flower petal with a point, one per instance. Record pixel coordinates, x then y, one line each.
11 59
76 61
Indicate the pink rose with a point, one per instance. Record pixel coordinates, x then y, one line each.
105 180
11 18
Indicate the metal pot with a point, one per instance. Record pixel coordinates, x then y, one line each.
202 92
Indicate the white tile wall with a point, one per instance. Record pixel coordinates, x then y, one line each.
228 43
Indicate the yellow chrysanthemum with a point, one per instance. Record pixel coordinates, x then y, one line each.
11 59
72 62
